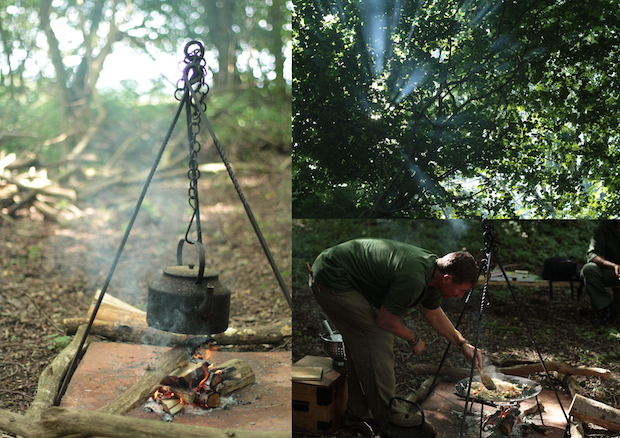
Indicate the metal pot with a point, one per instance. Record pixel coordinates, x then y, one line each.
407 425
188 299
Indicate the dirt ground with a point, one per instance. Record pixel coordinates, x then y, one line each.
50 271
558 329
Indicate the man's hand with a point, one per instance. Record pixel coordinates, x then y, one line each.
468 351
418 348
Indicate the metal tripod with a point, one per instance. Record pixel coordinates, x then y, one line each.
189 88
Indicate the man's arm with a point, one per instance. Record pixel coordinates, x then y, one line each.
390 322
606 264
443 326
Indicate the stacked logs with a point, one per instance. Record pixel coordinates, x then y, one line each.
200 384
24 187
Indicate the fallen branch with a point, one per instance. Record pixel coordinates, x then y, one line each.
41 312
60 422
569 383
274 333
519 370
52 376
423 391
560 367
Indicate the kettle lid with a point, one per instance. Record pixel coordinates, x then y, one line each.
408 419
189 271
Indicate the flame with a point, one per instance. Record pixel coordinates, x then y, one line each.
163 392
201 385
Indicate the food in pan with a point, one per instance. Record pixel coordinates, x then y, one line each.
503 391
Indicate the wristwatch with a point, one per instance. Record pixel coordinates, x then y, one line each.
413 342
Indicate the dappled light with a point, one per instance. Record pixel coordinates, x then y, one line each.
464 89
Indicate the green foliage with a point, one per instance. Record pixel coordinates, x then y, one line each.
58 341
34 253
522 244
226 28
47 112
455 109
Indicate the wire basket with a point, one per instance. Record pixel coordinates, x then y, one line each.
334 348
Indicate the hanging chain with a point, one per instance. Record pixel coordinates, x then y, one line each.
194 76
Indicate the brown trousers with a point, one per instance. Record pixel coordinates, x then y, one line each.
369 349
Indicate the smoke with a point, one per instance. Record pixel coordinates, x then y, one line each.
460 227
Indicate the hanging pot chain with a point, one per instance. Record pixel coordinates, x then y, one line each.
194 76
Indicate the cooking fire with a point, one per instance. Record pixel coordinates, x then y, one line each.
200 384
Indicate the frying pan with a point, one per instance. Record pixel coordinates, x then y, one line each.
533 389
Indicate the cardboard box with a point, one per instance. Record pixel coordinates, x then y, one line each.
319 405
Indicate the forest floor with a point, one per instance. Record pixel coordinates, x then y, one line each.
559 331
50 271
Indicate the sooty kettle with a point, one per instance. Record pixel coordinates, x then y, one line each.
407 425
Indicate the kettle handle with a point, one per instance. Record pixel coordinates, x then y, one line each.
411 403
201 257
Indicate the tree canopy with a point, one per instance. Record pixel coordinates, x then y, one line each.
455 108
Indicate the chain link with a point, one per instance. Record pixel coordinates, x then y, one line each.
194 75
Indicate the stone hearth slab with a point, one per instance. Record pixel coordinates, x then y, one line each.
438 407
108 368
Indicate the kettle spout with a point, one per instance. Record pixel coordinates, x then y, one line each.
206 307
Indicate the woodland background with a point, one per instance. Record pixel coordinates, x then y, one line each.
76 148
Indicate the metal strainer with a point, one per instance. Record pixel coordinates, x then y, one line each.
333 345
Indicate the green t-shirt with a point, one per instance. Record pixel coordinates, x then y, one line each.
385 272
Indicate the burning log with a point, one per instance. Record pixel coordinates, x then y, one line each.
211 400
172 405
196 383
183 394
508 421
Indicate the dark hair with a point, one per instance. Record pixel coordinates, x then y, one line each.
461 266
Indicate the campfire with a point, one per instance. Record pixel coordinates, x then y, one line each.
201 384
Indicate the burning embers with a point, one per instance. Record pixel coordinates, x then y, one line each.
201 384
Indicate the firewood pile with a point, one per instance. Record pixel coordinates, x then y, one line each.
26 189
